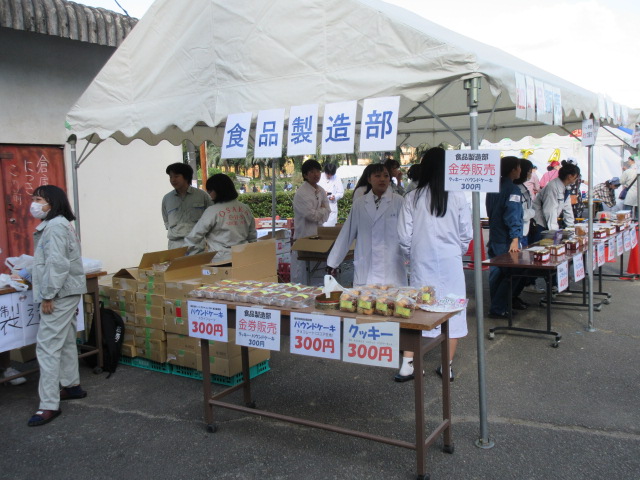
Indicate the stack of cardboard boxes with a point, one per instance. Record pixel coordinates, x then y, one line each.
153 303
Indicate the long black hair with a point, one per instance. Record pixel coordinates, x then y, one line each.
57 199
223 186
363 181
508 165
525 167
432 175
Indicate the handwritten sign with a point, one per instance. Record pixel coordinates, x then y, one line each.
472 171
601 258
578 268
371 343
11 334
563 276
258 328
589 132
315 335
619 244
208 320
611 250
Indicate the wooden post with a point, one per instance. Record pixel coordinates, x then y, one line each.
203 164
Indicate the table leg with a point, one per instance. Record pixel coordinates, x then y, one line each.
418 386
206 385
246 381
446 387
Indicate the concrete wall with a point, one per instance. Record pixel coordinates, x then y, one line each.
120 187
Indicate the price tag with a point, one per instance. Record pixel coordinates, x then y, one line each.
627 240
371 343
258 327
619 244
611 250
563 276
601 258
578 267
315 335
208 320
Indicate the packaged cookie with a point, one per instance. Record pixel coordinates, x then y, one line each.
366 302
404 306
385 305
427 295
349 300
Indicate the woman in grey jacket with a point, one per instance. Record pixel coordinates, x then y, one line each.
58 284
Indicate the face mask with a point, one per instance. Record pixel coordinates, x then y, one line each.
36 210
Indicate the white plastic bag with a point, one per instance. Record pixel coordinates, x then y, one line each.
331 285
16 264
7 281
91 266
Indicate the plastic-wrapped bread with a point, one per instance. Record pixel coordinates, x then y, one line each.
427 295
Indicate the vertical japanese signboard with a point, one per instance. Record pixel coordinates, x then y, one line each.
303 130
472 171
563 276
269 132
379 125
315 335
236 135
339 127
371 343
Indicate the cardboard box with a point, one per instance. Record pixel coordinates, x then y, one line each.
120 295
284 258
104 290
177 325
150 322
145 333
129 350
232 366
123 307
175 307
320 243
250 261
180 289
24 354
152 287
126 279
149 299
149 259
129 334
182 358
155 350
183 342
149 310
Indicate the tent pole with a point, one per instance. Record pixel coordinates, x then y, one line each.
590 327
274 165
472 86
72 140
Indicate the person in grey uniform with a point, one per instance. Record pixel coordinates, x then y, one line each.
226 223
182 207
58 280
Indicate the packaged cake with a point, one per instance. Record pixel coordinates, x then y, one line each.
404 306
427 295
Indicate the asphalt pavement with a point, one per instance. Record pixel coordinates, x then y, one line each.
553 413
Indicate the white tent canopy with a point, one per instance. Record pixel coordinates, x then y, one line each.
183 70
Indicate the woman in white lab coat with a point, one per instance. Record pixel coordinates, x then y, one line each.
310 210
373 224
435 231
332 184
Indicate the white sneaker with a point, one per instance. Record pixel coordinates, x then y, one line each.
10 372
406 369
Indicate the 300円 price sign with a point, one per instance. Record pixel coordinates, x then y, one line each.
371 343
315 335
258 328
208 320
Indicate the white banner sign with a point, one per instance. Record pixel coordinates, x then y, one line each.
258 327
315 335
601 257
339 127
11 332
578 268
635 140
627 240
30 317
269 133
208 320
521 96
531 98
472 171
371 343
557 106
619 244
563 276
379 125
303 130
236 136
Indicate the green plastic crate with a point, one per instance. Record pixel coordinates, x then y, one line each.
147 364
236 379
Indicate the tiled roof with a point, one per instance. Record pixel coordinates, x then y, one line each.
66 19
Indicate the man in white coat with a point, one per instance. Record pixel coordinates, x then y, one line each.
310 210
373 223
332 184
628 180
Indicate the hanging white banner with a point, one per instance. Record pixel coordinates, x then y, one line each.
531 98
269 133
557 106
303 130
541 107
379 124
339 127
236 136
589 132
521 96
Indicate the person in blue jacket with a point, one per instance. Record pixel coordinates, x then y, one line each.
505 230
